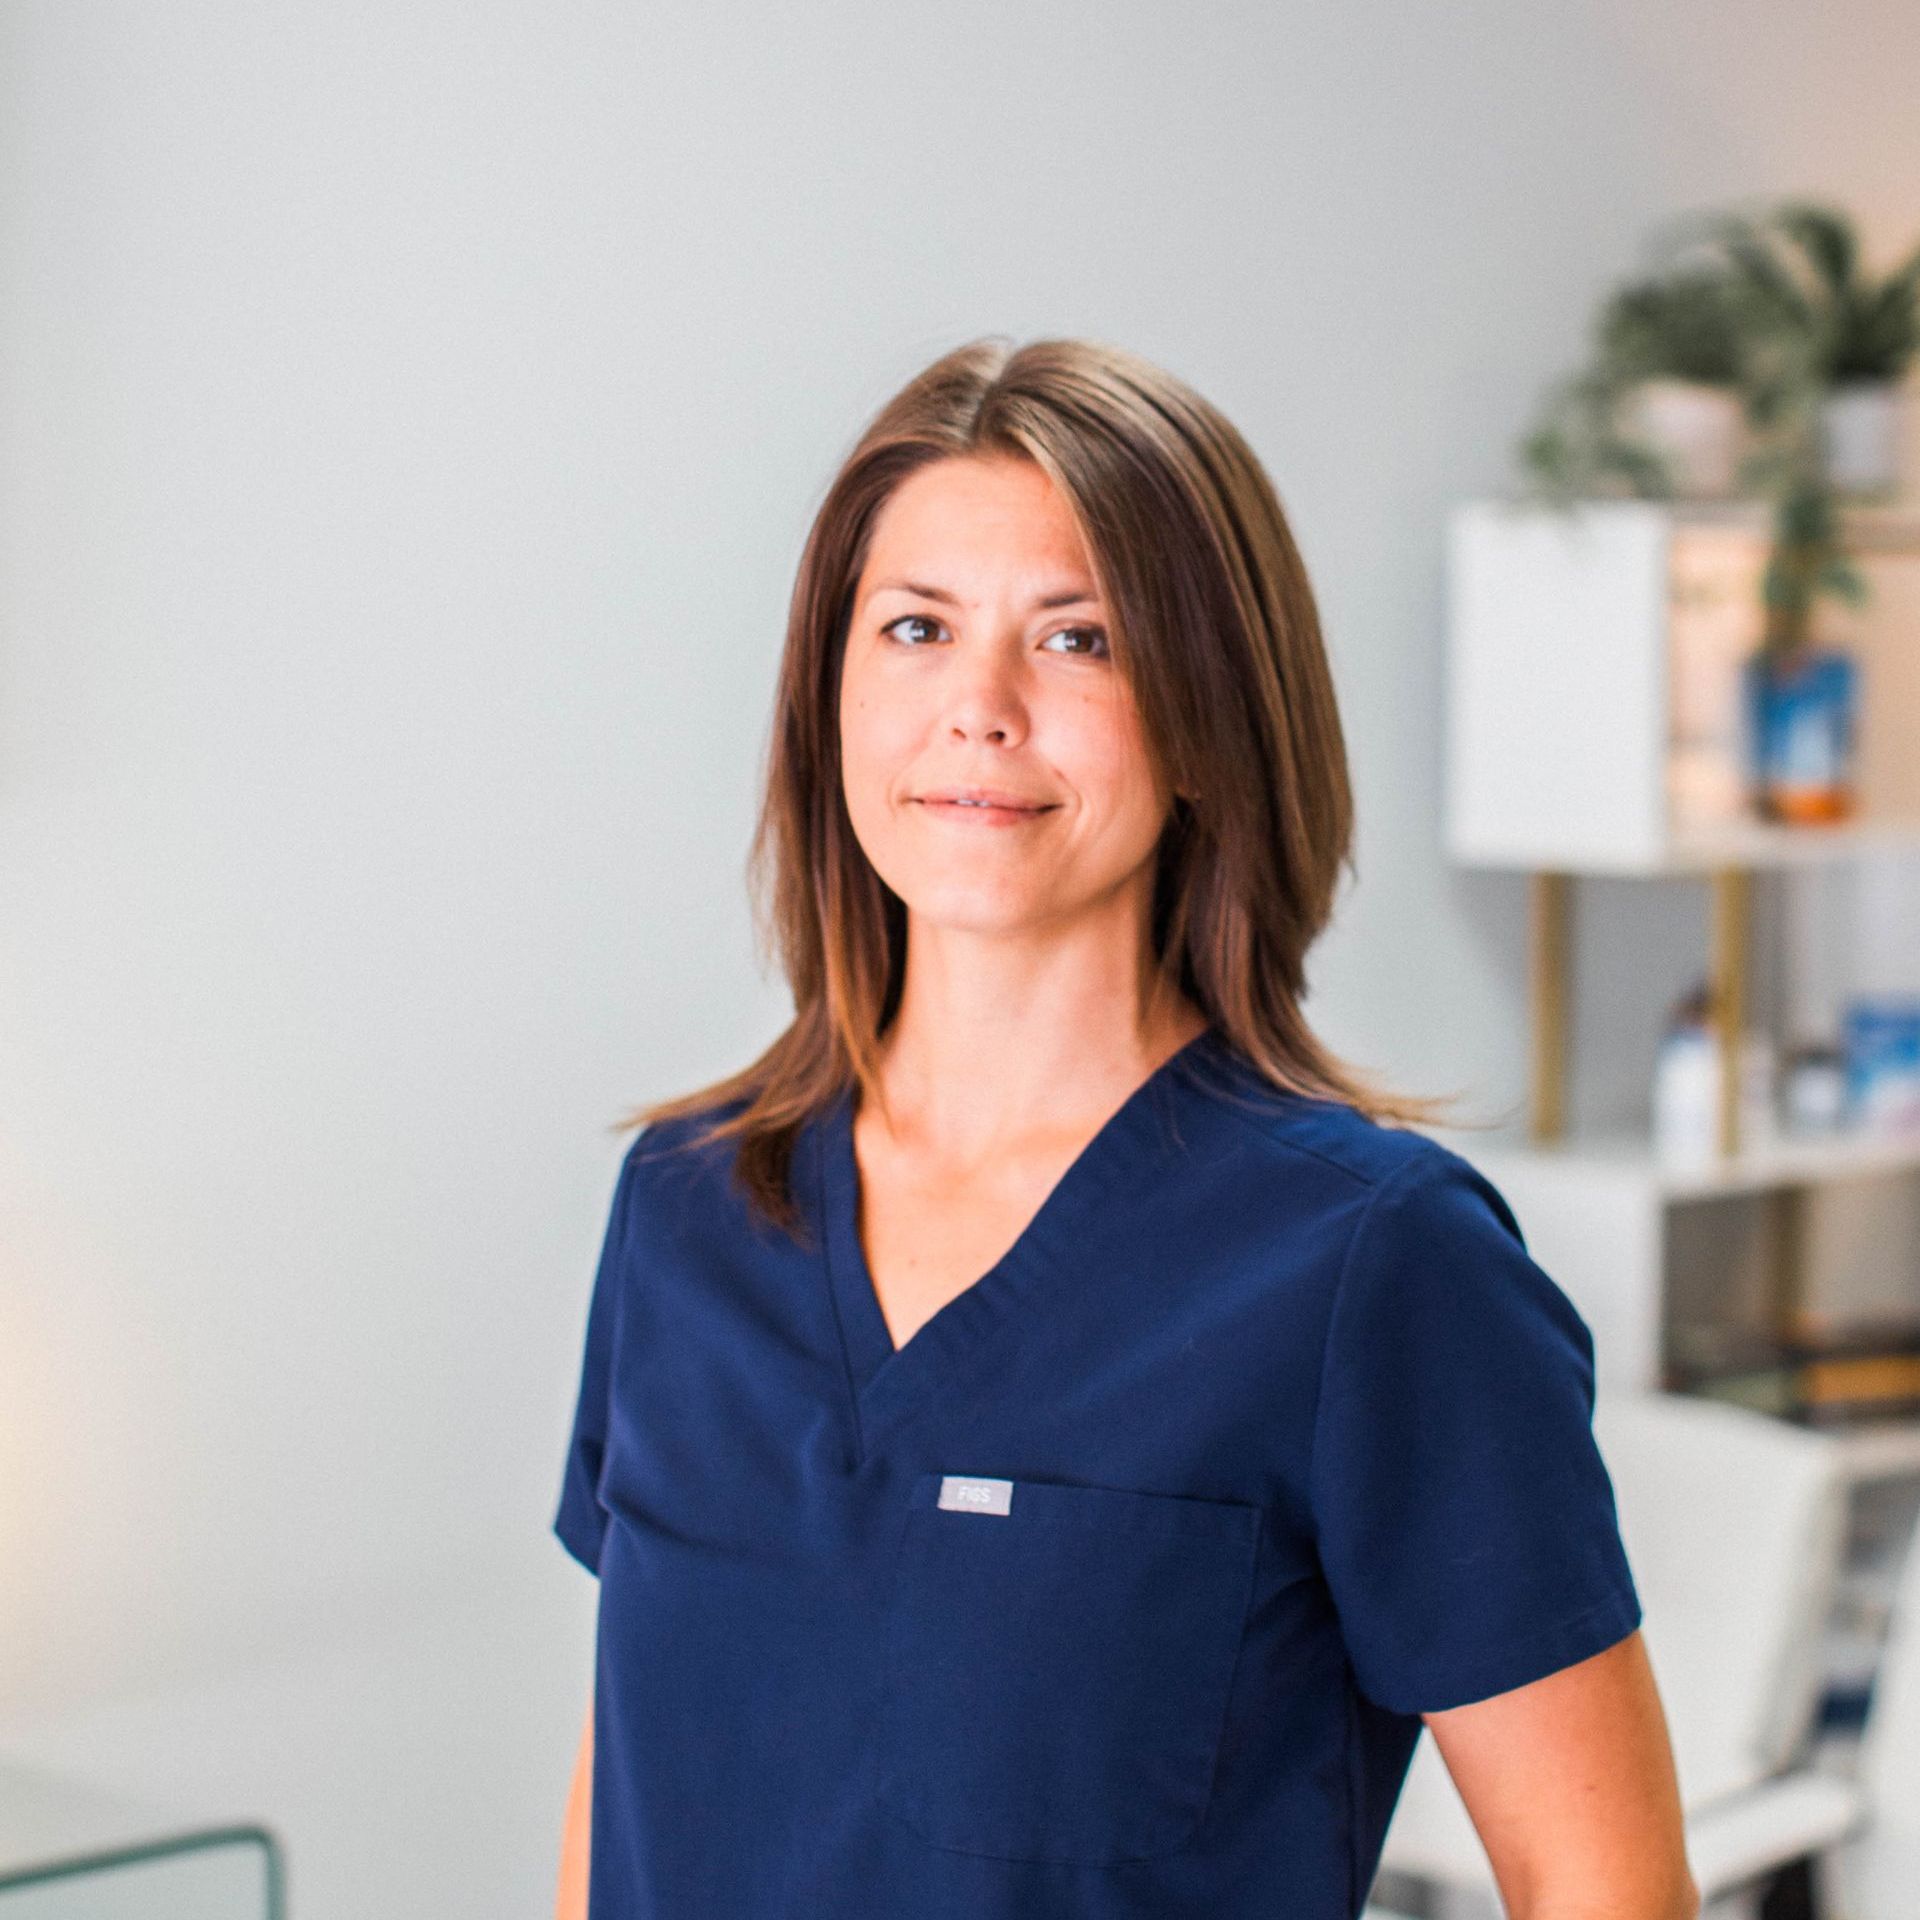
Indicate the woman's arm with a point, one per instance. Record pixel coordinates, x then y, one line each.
572 1902
1570 1784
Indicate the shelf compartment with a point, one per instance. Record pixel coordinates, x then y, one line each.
1565 686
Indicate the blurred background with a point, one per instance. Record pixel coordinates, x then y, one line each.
409 420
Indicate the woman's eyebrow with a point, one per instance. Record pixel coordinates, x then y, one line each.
1063 597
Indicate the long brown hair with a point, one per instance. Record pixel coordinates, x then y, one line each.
1212 621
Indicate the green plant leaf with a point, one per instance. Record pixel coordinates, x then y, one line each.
1825 235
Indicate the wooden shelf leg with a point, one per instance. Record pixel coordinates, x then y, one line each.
1727 988
1549 959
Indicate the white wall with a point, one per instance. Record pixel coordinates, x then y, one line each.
409 417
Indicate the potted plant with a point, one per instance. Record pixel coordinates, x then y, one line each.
1830 346
1773 316
1678 344
1660 409
1850 338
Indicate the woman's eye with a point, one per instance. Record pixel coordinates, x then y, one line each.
1095 636
915 619
1091 642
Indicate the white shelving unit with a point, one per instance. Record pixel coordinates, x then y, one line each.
1593 660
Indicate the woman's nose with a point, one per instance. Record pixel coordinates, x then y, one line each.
985 698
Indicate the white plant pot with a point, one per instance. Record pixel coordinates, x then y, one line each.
1699 430
1860 436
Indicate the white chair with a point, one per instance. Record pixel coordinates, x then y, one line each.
1734 1523
1876 1875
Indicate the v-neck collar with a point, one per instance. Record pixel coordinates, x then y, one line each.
888 1385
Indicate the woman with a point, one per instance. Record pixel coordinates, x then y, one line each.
1050 1434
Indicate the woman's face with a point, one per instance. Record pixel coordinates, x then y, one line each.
977 662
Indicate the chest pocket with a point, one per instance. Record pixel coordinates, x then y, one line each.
1057 1673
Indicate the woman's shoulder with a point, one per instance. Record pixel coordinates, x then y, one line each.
688 1164
1359 1160
693 1137
1337 1134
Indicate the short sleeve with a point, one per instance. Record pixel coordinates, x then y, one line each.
580 1521
1465 1518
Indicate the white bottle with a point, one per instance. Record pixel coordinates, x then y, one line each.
1686 1086
1686 1095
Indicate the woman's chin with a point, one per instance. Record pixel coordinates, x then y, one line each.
980 912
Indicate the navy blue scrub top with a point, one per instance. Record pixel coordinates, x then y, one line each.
1119 1589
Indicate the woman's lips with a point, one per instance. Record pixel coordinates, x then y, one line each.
978 814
